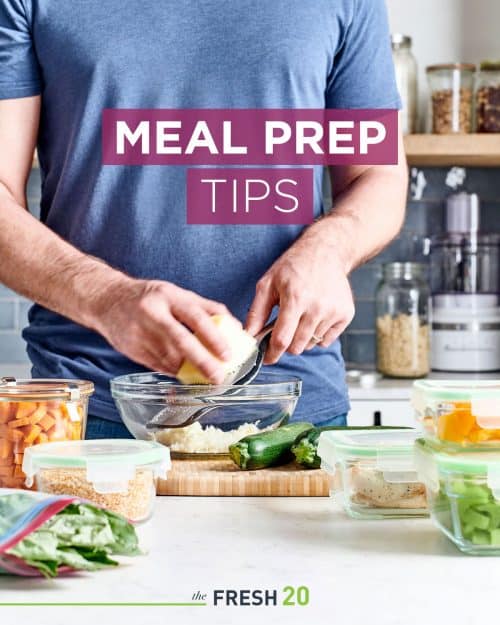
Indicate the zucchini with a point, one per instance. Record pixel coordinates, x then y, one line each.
268 449
305 446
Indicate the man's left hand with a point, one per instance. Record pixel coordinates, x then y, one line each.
310 286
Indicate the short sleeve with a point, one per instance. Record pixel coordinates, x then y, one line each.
19 71
363 75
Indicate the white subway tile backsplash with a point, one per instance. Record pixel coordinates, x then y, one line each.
8 309
12 348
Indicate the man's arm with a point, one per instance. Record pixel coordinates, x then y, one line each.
310 281
145 320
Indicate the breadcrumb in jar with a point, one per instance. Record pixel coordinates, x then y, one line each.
135 503
403 346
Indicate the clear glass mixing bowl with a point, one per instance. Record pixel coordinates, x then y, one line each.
151 404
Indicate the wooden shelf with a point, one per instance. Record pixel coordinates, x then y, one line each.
475 150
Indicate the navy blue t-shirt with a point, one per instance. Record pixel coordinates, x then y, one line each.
86 55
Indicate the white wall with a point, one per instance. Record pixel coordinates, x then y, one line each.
447 30
481 29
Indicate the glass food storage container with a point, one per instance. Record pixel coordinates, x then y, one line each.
406 70
488 97
451 88
402 321
463 492
38 411
117 474
373 472
154 406
463 413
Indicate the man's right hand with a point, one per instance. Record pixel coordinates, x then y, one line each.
152 323
148 321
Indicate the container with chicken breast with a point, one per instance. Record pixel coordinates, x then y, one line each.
373 474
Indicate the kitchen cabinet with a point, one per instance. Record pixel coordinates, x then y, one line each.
384 401
375 412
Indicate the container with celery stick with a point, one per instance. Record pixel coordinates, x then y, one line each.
463 491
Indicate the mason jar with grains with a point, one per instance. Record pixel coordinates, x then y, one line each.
488 97
451 89
405 66
402 321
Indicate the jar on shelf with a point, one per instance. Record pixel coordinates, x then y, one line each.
451 90
402 321
488 97
405 66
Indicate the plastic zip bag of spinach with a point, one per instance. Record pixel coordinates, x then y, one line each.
47 535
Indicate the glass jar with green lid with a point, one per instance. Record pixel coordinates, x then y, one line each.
463 494
402 321
117 474
373 472
460 413
488 97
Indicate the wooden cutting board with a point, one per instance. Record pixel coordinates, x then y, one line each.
218 478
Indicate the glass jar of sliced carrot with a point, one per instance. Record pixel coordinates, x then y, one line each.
38 411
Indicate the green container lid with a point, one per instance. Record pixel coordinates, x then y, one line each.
434 460
455 390
107 461
392 451
429 396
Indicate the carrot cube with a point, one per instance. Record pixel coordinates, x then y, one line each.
15 435
7 471
47 422
5 411
32 435
25 409
19 446
12 482
5 448
39 413
19 423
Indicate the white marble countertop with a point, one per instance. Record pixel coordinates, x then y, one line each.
361 572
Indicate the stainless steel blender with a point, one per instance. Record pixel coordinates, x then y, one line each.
465 284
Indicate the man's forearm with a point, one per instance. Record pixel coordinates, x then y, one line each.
40 265
368 214
152 322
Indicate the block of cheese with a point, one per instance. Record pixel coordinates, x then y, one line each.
242 346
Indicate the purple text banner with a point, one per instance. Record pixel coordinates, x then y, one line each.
249 137
250 196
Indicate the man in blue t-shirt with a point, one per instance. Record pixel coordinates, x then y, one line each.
119 279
